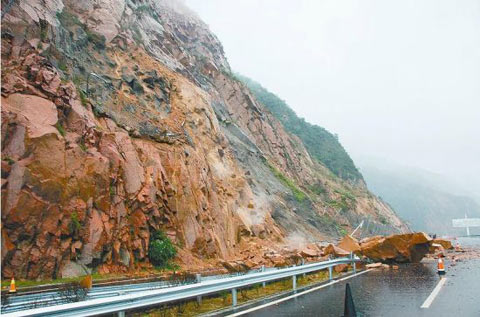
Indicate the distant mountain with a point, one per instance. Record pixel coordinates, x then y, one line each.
421 198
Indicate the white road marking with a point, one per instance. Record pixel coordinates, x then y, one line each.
434 293
295 295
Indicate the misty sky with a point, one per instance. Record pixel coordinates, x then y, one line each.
398 80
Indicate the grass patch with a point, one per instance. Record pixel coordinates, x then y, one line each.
317 189
97 40
82 146
60 128
29 283
345 202
62 66
83 98
297 193
75 224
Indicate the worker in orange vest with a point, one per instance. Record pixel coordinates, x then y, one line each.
441 266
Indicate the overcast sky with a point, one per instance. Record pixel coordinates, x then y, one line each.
399 80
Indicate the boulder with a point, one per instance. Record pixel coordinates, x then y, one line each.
350 244
435 247
446 244
309 253
336 251
373 265
410 247
235 266
341 268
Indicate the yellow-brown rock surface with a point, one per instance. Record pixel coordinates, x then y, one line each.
348 243
410 247
334 250
446 244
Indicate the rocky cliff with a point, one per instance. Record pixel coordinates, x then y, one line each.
121 118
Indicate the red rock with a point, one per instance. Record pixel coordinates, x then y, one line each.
39 115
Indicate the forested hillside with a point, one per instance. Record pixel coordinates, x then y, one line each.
321 144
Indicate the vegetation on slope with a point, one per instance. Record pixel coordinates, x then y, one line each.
321 144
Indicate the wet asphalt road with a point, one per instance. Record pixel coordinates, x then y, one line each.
395 293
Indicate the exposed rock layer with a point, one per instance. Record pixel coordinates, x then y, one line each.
120 119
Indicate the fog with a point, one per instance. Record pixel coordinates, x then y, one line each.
396 80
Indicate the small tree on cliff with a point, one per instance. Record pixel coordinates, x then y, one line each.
161 250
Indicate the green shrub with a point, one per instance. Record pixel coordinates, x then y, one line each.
342 231
8 160
98 40
75 224
62 66
83 98
317 189
82 146
161 250
382 219
60 128
297 193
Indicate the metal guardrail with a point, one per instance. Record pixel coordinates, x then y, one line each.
120 304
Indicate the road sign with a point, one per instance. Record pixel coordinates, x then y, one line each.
466 222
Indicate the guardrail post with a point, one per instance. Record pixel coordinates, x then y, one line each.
234 297
294 282
198 278
352 256
330 273
303 263
263 270
121 314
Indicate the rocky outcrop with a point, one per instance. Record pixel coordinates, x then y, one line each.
119 126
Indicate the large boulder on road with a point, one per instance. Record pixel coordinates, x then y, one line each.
350 244
410 247
446 244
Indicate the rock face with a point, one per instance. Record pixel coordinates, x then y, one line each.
122 118
410 247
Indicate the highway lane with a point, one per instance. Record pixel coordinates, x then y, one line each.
394 293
